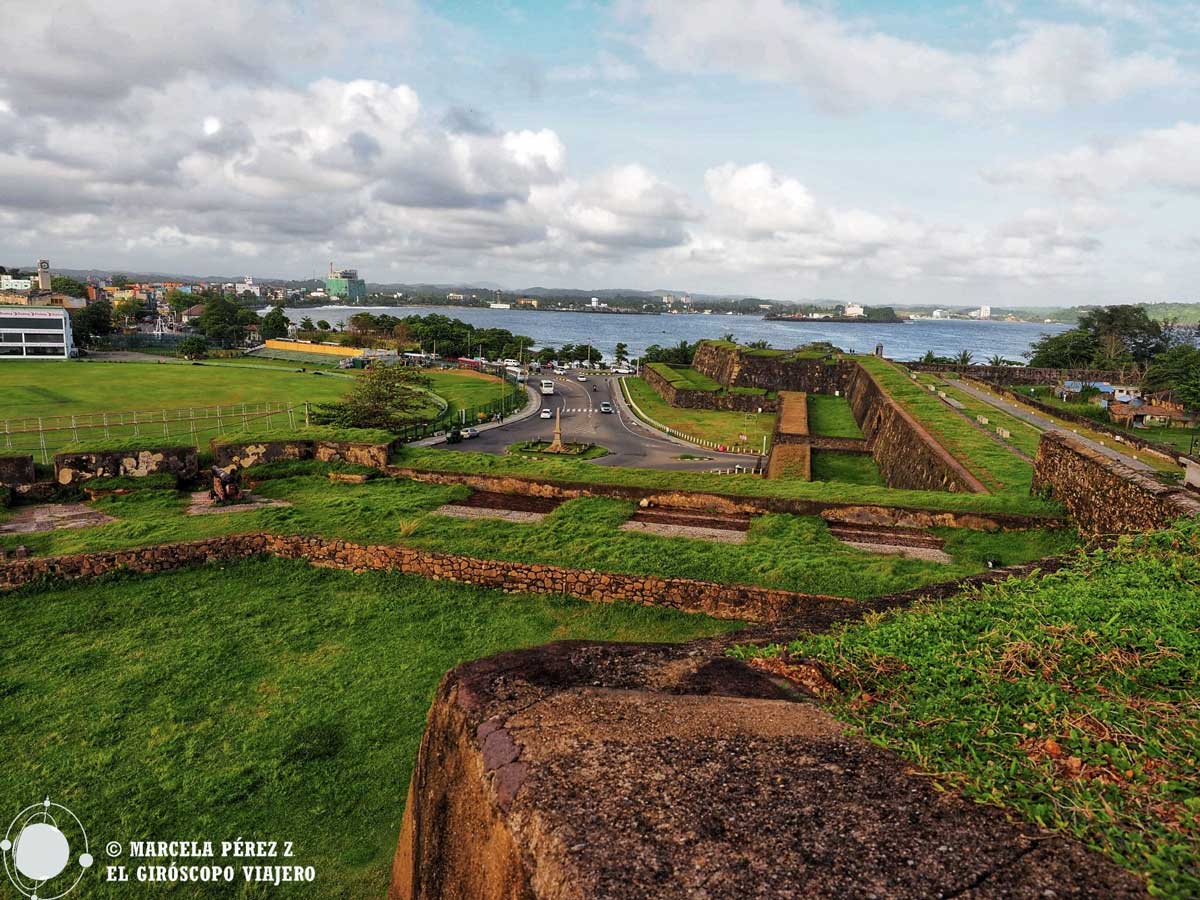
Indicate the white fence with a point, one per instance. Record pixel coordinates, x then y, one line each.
44 435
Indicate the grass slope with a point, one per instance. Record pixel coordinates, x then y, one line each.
1000 470
851 468
1071 699
267 700
792 552
830 416
433 459
722 427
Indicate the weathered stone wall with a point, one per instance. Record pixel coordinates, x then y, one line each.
71 468
252 453
907 455
16 471
722 601
1103 495
734 367
720 401
906 516
1024 374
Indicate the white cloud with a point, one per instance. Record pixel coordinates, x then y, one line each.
763 221
606 67
850 65
1165 159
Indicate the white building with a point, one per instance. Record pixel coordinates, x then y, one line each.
984 312
499 306
35 332
939 314
8 283
854 311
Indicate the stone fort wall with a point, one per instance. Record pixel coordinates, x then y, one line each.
1105 496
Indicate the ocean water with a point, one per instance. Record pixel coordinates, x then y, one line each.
945 337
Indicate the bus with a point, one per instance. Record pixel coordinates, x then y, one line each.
547 387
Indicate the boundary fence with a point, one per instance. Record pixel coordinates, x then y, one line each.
44 435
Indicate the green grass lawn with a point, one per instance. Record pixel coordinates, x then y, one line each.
685 377
852 468
465 389
265 700
436 460
1024 437
722 427
1001 471
1072 699
56 391
830 416
784 551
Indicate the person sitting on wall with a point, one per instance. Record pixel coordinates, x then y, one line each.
226 484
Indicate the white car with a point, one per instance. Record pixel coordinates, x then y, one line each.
582 378
545 414
468 433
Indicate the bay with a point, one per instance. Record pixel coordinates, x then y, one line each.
909 341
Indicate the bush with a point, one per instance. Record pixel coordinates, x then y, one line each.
194 347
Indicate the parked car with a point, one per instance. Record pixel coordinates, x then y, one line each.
468 433
545 414
605 407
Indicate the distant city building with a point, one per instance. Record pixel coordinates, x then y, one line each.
527 301
247 286
35 332
939 314
344 284
499 306
456 296
854 311
984 312
8 283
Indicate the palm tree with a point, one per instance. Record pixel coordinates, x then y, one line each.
998 360
306 324
964 357
930 358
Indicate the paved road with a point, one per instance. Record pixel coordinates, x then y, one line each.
1038 420
629 442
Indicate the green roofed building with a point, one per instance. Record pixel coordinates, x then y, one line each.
345 284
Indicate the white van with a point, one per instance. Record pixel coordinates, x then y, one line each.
547 387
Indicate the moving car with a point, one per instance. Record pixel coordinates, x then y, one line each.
545 414
582 378
605 406
470 433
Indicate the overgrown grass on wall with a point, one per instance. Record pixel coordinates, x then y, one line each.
791 552
1069 699
1000 470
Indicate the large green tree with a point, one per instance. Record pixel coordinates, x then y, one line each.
274 324
1068 350
1171 368
387 397
91 322
72 287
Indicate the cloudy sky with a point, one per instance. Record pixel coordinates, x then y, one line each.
1000 152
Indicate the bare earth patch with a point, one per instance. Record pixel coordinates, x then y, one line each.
697 532
927 554
53 517
203 505
458 511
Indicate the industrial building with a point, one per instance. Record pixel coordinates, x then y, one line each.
35 332
344 284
